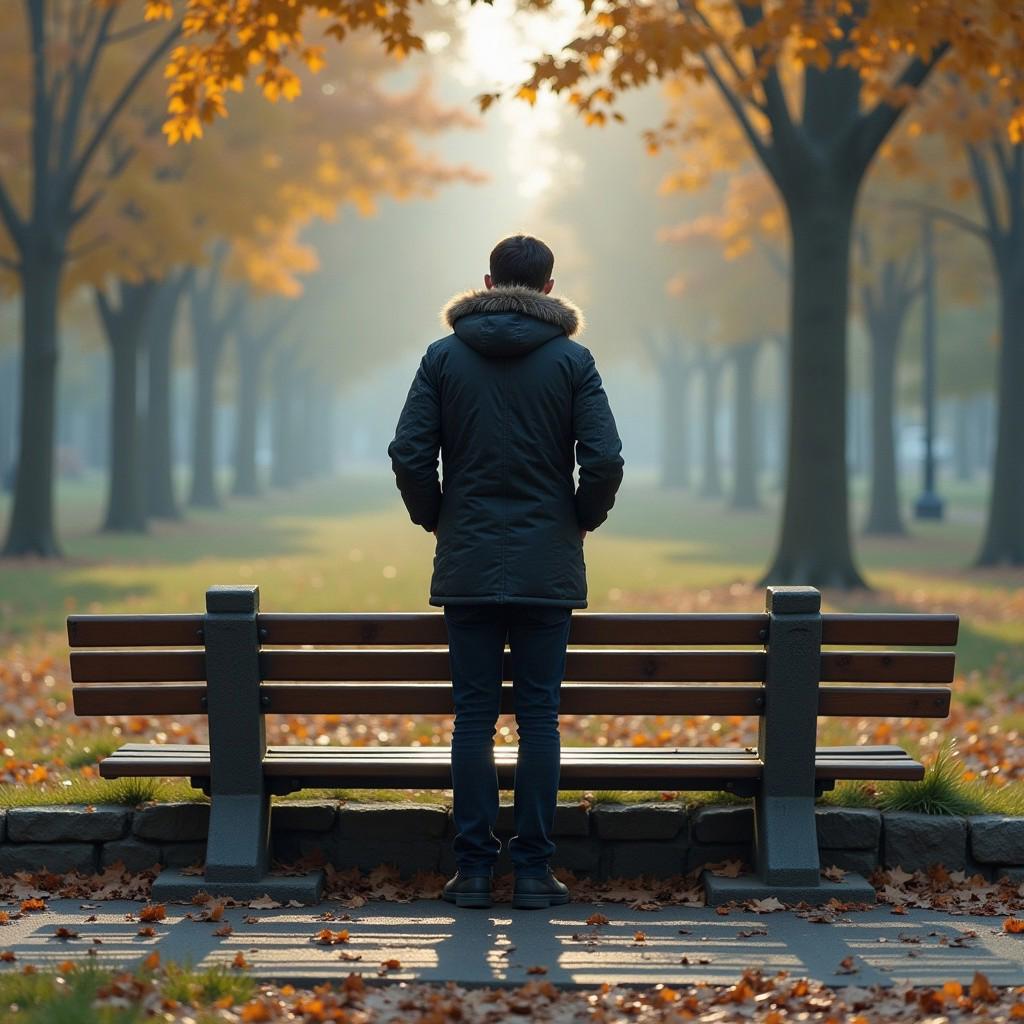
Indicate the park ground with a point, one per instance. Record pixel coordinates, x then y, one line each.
346 544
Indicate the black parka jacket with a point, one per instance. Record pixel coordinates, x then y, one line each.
511 404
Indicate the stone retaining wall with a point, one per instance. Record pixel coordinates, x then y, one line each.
658 839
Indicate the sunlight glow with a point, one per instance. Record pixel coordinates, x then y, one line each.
494 54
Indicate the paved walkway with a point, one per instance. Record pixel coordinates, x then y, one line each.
435 942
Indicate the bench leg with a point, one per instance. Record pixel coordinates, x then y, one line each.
787 865
238 859
238 848
786 841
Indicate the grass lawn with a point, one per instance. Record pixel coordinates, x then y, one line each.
347 544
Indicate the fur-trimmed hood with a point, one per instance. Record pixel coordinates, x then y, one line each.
510 319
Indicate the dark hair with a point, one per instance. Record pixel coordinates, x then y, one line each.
521 259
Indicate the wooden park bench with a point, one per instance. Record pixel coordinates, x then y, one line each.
236 665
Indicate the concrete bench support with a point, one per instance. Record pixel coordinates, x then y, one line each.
238 849
787 865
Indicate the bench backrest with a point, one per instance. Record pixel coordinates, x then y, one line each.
618 663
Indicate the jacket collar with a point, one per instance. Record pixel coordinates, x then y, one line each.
552 310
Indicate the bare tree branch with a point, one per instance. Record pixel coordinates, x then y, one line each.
949 216
986 192
12 220
108 119
870 129
776 106
736 104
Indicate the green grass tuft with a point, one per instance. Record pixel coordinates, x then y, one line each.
943 790
122 792
202 987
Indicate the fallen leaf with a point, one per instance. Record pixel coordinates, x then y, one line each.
264 903
224 931
147 933
32 905
8 956
152 962
597 919
847 966
65 933
240 962
154 912
1013 925
536 969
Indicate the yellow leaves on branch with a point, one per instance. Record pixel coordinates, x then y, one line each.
227 40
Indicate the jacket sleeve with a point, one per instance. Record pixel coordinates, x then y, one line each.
414 450
598 448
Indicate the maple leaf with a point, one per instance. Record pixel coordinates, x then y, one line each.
154 912
765 906
264 902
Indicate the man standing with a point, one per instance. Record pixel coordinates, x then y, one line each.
512 404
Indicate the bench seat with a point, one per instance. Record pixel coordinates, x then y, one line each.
289 768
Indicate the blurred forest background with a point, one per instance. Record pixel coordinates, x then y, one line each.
815 356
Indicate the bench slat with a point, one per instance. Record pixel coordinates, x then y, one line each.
583 666
582 767
135 630
153 666
887 667
889 630
576 699
592 628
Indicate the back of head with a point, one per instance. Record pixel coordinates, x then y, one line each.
521 260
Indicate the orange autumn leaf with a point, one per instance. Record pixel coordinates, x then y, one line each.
1013 925
154 912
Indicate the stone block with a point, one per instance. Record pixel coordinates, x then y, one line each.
134 854
627 859
56 857
917 841
639 821
997 839
700 854
183 855
68 824
291 847
570 820
1011 873
366 854
728 825
581 856
848 828
398 821
172 823
863 862
303 817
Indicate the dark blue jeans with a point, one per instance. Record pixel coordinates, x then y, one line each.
537 636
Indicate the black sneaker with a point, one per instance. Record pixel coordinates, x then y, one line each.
538 893
468 890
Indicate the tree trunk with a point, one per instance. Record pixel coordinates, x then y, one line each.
675 415
814 541
711 483
1003 543
305 420
962 438
203 491
31 528
282 468
744 492
124 326
8 414
250 356
884 518
159 463
125 512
